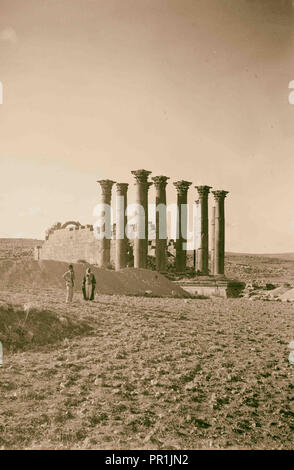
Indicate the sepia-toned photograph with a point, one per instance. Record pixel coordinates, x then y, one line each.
147 227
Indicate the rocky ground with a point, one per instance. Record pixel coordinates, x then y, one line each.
261 269
144 373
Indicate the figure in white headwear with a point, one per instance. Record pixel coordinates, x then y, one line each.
89 283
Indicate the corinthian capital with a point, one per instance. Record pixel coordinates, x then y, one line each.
160 182
182 186
203 191
219 194
122 187
141 176
106 186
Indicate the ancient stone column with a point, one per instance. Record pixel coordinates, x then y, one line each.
105 240
203 192
219 244
160 183
121 223
181 255
212 241
146 222
196 235
141 240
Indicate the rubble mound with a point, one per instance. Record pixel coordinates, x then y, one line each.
279 291
288 296
48 273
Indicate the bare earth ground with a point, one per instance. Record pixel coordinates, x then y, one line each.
146 373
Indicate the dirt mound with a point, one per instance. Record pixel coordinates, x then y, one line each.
22 328
279 291
47 273
289 295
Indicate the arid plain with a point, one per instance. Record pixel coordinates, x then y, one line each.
144 372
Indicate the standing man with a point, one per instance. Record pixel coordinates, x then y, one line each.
89 283
69 278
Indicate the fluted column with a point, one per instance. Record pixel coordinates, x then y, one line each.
106 187
203 192
181 255
141 240
121 223
212 241
219 244
160 183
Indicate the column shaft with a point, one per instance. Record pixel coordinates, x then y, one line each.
160 183
141 240
105 240
212 241
181 255
121 223
203 192
219 244
146 240
197 235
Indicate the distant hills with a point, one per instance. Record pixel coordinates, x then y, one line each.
284 256
6 243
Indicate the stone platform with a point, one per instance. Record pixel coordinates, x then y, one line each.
212 286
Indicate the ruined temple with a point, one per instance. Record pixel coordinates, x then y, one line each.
73 242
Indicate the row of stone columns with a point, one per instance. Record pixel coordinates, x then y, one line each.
217 230
141 241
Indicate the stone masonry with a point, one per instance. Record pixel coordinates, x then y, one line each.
72 244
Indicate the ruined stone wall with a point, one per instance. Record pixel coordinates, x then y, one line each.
78 243
72 244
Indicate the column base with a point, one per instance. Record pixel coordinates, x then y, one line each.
212 286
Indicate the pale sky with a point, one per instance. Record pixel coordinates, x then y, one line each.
192 89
